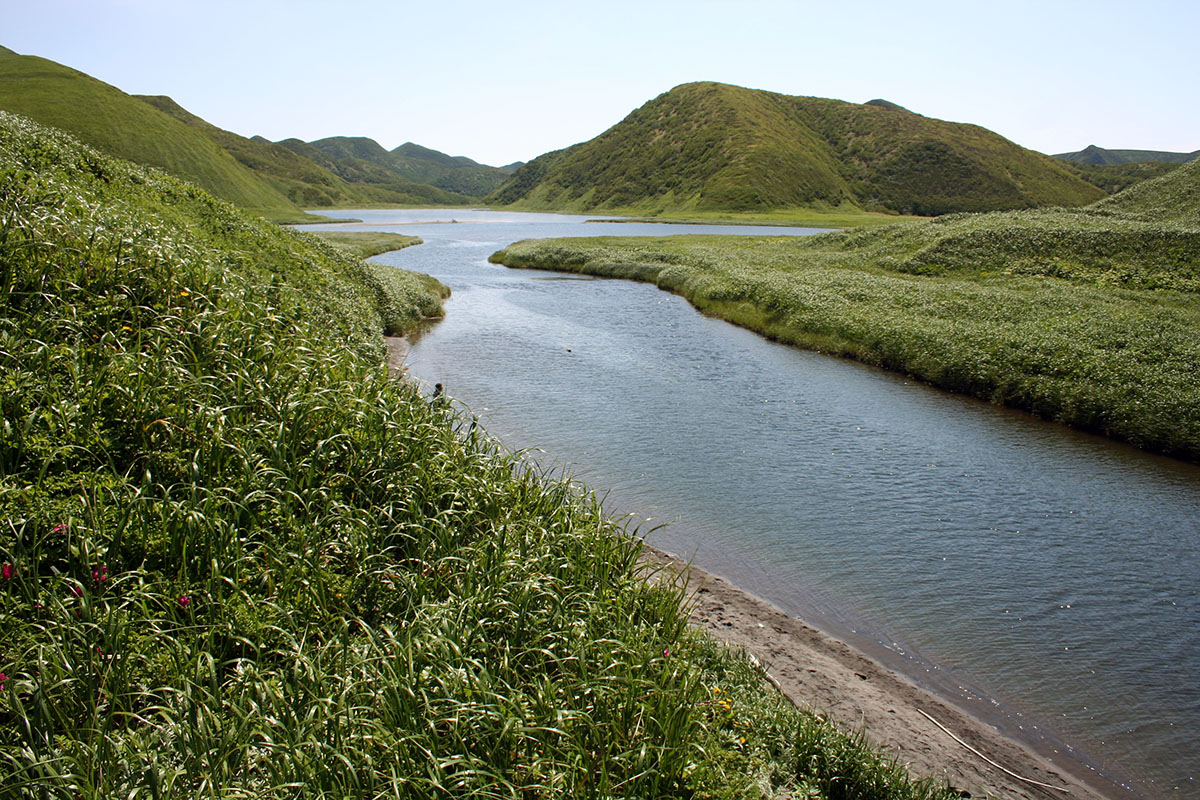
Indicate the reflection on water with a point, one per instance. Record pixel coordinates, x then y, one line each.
1051 569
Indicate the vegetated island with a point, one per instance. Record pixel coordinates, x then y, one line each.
1086 316
238 559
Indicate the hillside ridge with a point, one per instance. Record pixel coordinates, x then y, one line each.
714 146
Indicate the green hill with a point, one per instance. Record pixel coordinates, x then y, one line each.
1087 316
1098 156
365 165
711 146
1174 197
452 173
304 181
117 123
361 159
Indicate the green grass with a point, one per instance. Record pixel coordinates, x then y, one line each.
125 126
798 217
705 147
364 244
1087 317
238 560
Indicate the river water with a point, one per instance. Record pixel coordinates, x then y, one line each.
1047 580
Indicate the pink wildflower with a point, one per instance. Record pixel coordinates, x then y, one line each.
59 528
3 679
7 571
184 600
100 575
666 652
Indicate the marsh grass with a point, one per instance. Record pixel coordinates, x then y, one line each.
364 244
240 561
1088 317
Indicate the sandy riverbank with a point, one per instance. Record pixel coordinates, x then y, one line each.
926 733
821 673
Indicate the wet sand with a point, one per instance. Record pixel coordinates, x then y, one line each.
929 735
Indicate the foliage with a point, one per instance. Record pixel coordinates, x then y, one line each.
238 560
1099 156
124 126
364 161
1113 178
364 244
709 146
1087 317
1174 196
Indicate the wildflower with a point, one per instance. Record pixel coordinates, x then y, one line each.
7 571
100 575
60 528
184 601
666 652
3 680
77 590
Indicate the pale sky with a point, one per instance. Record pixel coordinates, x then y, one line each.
507 81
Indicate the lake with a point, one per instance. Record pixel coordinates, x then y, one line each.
1046 579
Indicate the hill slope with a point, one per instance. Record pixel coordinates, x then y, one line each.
711 146
1098 156
121 125
1172 197
297 176
459 175
1086 316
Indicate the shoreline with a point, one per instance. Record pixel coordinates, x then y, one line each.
817 672
924 731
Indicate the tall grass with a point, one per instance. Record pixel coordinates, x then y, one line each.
1085 317
238 560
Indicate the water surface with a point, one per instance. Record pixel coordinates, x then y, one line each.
1045 578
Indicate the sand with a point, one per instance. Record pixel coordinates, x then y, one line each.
928 734
820 673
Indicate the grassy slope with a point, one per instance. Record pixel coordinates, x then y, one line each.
1099 156
126 127
1088 317
364 244
304 182
460 176
1113 178
1173 197
359 162
708 146
452 173
241 561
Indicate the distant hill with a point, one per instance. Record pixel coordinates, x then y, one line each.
122 125
350 155
1172 197
1113 178
274 180
1098 156
302 180
711 146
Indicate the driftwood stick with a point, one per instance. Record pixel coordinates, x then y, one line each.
988 760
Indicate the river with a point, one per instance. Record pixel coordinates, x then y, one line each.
1048 580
